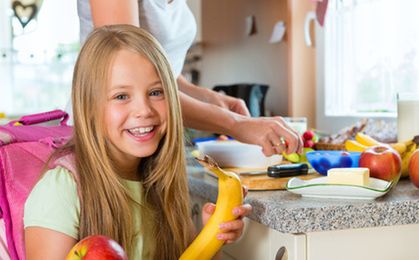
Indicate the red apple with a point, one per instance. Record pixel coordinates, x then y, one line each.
383 161
96 248
308 135
308 143
414 168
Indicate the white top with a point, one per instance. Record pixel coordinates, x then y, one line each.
173 24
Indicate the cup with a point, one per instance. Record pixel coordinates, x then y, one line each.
297 123
407 116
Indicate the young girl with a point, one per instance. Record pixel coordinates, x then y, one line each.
129 181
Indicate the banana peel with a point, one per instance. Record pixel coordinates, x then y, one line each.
230 195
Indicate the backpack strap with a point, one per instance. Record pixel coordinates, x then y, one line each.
69 162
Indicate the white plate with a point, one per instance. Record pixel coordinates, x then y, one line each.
235 154
319 188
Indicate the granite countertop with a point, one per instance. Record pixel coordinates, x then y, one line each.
287 212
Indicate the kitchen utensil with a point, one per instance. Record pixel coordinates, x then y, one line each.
287 170
319 188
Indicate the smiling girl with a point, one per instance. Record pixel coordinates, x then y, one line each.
127 175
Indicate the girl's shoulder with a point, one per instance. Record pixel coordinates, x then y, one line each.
56 183
54 203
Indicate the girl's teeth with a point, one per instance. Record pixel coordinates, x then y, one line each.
141 130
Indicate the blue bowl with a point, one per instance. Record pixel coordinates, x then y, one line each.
322 161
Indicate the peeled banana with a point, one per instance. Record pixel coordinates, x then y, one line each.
230 195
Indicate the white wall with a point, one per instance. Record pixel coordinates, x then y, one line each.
229 56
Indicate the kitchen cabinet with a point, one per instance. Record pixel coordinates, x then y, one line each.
260 242
301 63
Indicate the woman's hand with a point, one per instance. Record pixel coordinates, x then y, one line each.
236 105
209 96
271 133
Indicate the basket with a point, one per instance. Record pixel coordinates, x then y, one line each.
328 146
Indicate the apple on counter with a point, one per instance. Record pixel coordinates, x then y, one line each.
383 161
97 247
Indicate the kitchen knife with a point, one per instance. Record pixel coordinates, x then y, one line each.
287 170
253 173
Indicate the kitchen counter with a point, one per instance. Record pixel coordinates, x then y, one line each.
290 213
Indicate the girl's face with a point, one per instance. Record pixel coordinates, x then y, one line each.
135 109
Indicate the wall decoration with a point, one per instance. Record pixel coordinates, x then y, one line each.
24 12
321 9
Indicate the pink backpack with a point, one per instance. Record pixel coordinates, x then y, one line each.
24 150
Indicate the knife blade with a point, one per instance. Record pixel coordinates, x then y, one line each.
253 173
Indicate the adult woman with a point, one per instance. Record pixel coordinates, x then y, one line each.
172 23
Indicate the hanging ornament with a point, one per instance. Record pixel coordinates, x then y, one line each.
321 8
24 12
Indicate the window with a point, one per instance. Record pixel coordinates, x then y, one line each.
37 60
369 52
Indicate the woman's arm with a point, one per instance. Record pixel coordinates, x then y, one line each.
236 105
114 12
263 131
43 243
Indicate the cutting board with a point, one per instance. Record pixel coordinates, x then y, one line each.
263 181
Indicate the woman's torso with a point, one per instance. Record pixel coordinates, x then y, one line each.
173 25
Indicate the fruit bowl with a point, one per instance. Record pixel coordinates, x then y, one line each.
322 161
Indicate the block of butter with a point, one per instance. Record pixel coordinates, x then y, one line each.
349 176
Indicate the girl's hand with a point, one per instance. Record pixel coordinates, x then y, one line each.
231 231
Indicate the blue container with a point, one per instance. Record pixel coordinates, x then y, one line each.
322 161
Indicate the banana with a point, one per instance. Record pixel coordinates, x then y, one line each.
366 139
399 147
354 146
410 148
230 195
404 148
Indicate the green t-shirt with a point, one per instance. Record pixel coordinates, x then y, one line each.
54 204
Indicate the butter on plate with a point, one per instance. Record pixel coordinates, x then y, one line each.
348 176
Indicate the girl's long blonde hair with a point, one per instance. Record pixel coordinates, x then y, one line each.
105 204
